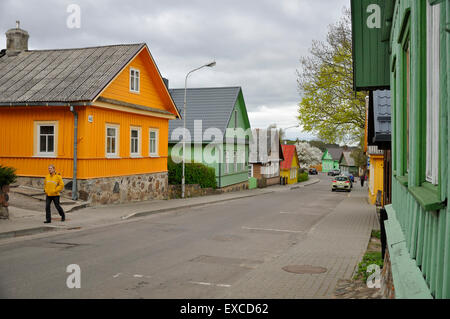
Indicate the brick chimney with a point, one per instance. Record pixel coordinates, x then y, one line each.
16 40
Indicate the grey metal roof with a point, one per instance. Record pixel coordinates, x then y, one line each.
335 153
211 105
382 112
64 75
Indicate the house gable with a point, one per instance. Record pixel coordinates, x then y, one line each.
242 115
326 156
153 93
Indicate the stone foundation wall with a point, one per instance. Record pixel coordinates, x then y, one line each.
387 282
196 191
112 190
235 188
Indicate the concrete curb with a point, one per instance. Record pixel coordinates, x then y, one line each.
162 210
306 184
27 231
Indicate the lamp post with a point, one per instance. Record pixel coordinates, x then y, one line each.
211 64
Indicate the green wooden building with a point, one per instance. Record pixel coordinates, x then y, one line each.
212 115
330 159
404 45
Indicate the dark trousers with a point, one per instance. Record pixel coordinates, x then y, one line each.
48 201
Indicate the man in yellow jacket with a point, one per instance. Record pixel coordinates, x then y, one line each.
53 185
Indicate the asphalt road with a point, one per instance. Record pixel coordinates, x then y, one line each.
192 253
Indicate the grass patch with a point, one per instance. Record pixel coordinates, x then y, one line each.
368 259
372 256
376 234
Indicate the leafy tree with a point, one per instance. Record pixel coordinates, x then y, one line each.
359 155
329 107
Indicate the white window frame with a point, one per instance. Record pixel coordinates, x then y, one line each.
135 80
37 139
433 92
156 153
139 142
250 170
116 127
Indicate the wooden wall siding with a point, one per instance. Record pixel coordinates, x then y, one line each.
150 86
426 233
92 138
17 142
17 129
17 139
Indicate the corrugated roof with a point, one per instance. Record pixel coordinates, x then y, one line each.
289 151
64 75
335 153
213 106
382 111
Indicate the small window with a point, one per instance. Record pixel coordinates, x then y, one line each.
112 138
46 139
235 160
135 141
134 80
250 170
153 147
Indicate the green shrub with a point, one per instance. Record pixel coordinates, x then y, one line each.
368 259
302 177
7 175
195 173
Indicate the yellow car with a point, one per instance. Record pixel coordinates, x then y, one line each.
341 183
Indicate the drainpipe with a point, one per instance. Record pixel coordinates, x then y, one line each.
75 147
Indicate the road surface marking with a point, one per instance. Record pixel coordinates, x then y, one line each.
275 230
117 275
209 284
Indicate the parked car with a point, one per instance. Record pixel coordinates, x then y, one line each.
341 183
334 172
313 171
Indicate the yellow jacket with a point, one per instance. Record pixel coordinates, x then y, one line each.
53 185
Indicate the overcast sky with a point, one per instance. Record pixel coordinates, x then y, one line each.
256 43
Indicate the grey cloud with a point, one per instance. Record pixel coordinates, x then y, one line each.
256 43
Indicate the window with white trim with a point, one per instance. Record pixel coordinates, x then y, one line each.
46 141
112 140
250 170
135 76
433 92
135 141
154 142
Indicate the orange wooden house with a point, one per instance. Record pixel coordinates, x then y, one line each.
99 114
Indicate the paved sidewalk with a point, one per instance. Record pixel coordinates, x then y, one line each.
25 222
336 243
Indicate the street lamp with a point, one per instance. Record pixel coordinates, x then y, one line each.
210 65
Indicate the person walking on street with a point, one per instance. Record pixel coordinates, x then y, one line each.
53 185
363 178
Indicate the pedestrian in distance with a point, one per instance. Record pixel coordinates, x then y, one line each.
362 178
53 185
